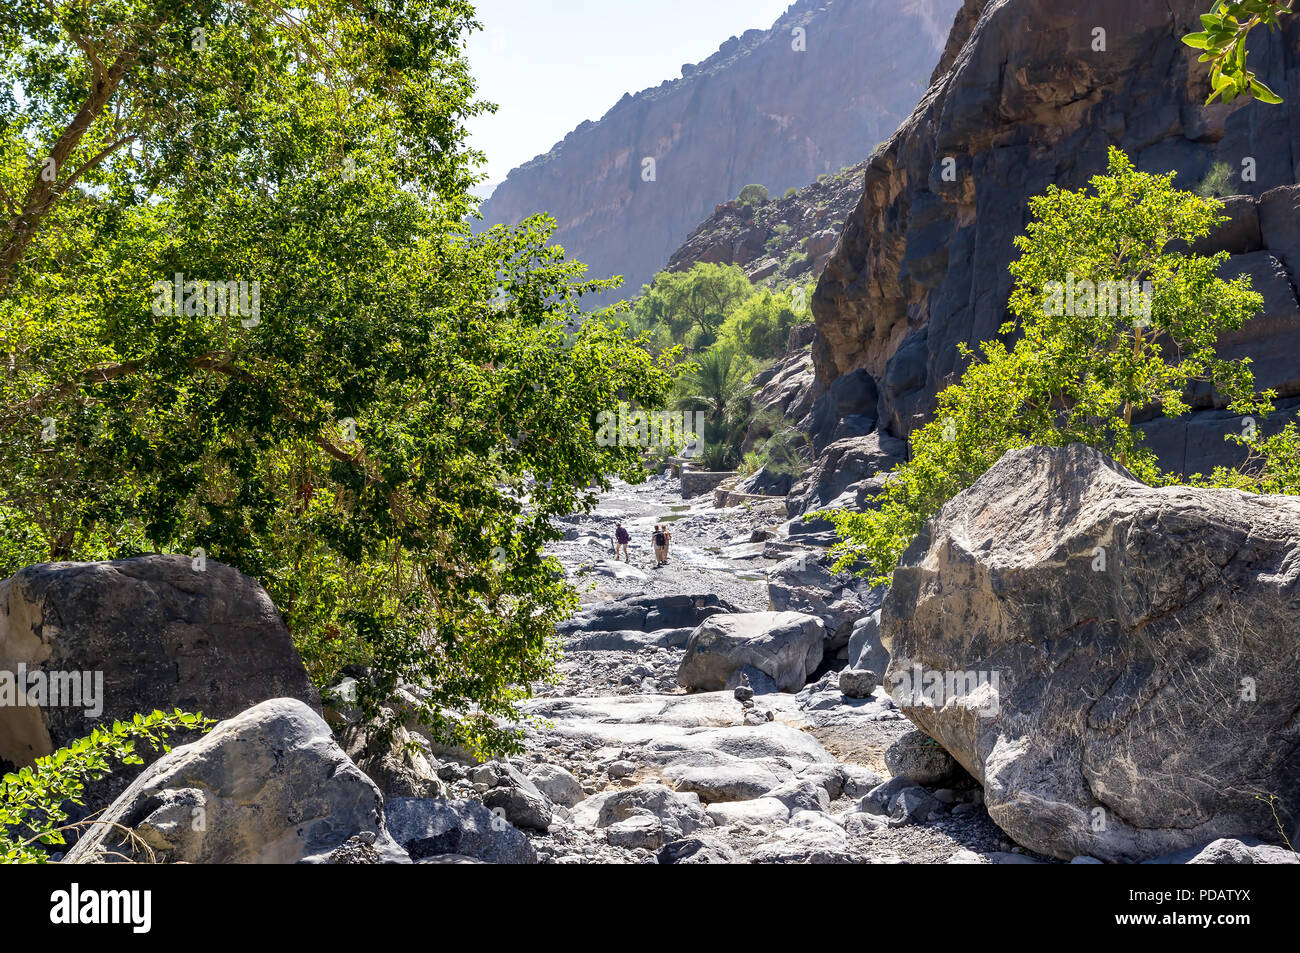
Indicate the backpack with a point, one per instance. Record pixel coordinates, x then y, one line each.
621 535
659 539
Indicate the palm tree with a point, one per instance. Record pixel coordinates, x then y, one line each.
717 383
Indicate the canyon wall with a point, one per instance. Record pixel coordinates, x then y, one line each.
760 110
1031 93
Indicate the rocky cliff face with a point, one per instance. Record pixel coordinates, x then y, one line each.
760 110
788 239
1026 102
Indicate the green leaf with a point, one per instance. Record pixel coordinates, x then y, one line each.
1263 93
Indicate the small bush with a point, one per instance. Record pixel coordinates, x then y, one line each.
1217 182
31 800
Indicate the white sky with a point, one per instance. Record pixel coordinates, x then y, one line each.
550 64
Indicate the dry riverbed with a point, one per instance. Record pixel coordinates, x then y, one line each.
639 771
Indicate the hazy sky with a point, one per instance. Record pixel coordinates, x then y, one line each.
550 64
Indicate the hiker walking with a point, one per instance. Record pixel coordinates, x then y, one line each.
660 541
621 539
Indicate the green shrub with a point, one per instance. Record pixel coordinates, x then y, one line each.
1077 375
32 813
1216 182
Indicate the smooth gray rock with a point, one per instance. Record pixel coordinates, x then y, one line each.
1229 850
270 786
522 805
1143 700
865 648
760 812
432 827
698 849
784 645
919 757
557 784
802 794
723 782
638 832
678 813
644 614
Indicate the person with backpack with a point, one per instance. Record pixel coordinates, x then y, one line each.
660 541
621 539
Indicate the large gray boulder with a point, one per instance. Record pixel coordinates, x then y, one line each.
153 632
786 646
519 800
269 786
1117 664
655 814
1227 850
556 784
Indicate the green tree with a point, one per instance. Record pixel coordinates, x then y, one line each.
717 383
753 194
384 430
1223 41
1085 362
692 304
761 325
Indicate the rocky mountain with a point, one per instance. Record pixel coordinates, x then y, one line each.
779 241
818 91
1033 95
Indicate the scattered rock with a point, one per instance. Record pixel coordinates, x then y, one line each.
558 785
697 849
858 683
